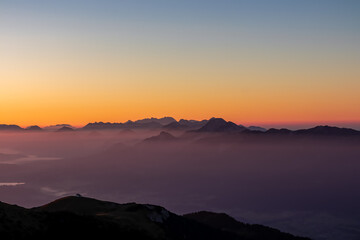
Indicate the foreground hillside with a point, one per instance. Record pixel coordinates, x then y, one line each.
79 217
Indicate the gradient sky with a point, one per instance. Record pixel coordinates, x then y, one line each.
251 62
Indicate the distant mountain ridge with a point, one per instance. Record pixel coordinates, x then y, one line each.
162 121
185 125
57 127
318 131
65 129
151 123
213 125
245 231
87 218
34 128
220 125
162 137
6 127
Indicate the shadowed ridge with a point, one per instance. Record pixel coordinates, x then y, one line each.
83 217
9 207
226 223
193 124
102 126
6 127
220 125
328 130
163 136
185 125
57 127
257 128
65 129
175 126
162 121
316 131
90 206
278 131
77 205
34 128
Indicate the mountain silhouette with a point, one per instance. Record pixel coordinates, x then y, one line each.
327 130
281 131
316 131
6 127
143 124
34 128
151 123
245 231
87 218
102 126
220 125
176 126
193 123
56 127
65 129
256 128
185 125
162 137
162 121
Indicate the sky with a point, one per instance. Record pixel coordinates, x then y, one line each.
290 63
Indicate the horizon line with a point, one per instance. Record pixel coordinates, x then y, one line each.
269 124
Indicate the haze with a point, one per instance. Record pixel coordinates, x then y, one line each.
83 71
306 186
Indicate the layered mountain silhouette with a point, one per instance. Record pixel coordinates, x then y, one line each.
220 125
57 127
244 231
278 131
318 131
327 130
256 128
162 137
102 125
185 125
151 123
87 218
175 126
10 127
162 121
34 128
65 129
213 125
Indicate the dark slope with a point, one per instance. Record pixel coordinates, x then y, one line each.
328 130
20 223
162 137
102 126
34 128
65 129
162 121
315 131
6 127
256 128
176 126
151 123
220 125
193 123
80 217
282 131
245 231
185 125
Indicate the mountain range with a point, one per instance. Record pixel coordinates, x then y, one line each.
213 125
220 125
78 217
